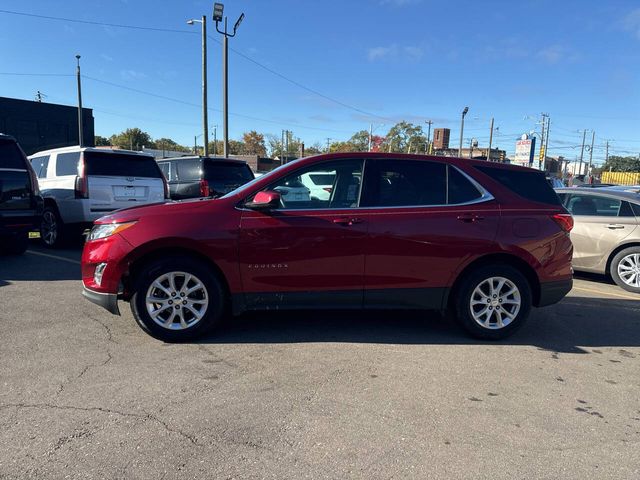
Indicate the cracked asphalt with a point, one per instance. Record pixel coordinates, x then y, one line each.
84 394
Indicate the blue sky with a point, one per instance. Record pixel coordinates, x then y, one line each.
378 61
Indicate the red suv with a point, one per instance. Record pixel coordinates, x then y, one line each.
485 240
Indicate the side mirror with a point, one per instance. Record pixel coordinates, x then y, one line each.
267 200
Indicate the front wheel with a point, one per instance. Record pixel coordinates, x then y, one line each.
493 302
177 300
625 269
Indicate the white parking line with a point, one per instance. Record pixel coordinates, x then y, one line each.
62 259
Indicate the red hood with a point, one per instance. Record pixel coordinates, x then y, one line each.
153 209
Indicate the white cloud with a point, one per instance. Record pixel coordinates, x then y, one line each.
408 52
106 58
631 22
555 54
132 75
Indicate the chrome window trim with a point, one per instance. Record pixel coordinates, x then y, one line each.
485 196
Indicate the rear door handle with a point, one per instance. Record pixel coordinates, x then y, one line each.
615 226
346 221
469 218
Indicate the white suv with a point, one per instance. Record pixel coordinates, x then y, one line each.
80 185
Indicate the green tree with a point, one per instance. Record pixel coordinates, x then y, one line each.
168 144
347 146
622 164
101 141
236 147
359 141
254 143
404 136
132 138
314 149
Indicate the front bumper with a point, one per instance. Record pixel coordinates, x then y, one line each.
553 292
108 301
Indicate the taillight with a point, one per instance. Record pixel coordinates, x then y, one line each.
82 185
564 220
34 182
205 191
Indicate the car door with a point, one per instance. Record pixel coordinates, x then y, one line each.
306 252
426 219
601 222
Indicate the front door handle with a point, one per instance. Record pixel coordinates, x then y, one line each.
615 226
469 218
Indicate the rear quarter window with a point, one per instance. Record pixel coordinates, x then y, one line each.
11 156
120 165
67 164
188 170
531 185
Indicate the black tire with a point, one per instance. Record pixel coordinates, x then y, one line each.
52 230
16 244
215 294
622 257
465 292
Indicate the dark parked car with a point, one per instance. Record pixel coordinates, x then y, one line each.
20 201
195 177
487 241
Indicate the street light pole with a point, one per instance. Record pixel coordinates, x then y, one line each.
584 135
593 139
464 112
490 141
428 122
80 131
218 8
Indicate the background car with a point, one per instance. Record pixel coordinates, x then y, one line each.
194 177
20 200
485 241
80 185
293 191
320 185
606 234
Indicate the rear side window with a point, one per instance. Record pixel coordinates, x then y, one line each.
227 172
67 164
40 165
528 184
189 170
460 190
10 156
625 210
594 205
636 209
120 165
401 183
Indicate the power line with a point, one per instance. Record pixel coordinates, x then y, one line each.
103 24
20 74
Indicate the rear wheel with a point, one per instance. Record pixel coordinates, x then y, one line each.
177 299
51 228
625 269
493 302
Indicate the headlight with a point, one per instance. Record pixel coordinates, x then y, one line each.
108 229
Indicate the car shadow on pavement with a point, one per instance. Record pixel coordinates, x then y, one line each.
570 326
33 266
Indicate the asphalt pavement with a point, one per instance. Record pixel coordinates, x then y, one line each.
84 394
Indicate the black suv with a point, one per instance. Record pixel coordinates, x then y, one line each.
20 201
193 177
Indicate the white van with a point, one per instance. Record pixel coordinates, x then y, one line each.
80 185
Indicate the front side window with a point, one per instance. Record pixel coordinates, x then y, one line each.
298 191
67 164
593 205
403 183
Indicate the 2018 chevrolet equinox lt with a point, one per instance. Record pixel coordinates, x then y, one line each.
487 241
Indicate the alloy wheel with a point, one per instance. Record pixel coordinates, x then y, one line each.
177 300
495 303
629 270
49 228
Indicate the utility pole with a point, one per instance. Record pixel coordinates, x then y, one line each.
490 141
215 140
593 139
541 152
195 145
328 140
80 132
464 112
205 110
584 136
370 134
546 140
217 17
606 152
428 122
286 139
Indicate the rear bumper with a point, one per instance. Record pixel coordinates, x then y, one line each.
553 292
108 301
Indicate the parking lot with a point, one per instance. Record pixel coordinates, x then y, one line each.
312 395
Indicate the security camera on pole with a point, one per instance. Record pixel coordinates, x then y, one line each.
218 9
